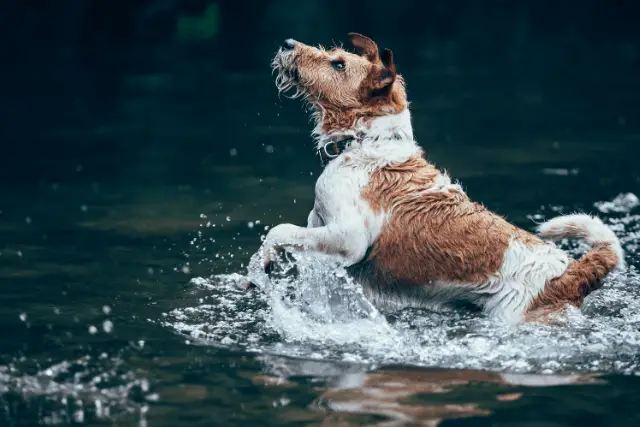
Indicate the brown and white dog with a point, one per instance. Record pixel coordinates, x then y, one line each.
402 228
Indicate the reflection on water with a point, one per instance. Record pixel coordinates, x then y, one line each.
399 396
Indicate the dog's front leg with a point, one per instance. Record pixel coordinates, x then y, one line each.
348 241
314 219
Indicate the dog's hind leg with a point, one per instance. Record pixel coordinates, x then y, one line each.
579 280
584 276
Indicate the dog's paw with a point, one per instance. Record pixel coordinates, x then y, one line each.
246 285
270 254
278 262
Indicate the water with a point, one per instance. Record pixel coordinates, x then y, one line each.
121 307
127 217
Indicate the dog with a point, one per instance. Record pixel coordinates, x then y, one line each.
399 225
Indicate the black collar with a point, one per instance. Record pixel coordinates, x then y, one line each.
333 149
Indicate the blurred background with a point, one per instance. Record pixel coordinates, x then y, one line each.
173 85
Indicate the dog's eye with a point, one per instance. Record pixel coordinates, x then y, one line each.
338 64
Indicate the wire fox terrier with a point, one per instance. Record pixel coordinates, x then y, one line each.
399 225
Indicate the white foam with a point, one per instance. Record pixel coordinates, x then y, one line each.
623 202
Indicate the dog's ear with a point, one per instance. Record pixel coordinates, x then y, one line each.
365 46
387 61
382 76
380 82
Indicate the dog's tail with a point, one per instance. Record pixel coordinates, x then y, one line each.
591 230
584 276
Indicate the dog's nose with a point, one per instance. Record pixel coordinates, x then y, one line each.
289 44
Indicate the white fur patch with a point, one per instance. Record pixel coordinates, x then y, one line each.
389 129
523 275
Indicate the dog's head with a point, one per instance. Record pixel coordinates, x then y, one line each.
344 85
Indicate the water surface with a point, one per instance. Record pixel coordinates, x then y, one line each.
122 229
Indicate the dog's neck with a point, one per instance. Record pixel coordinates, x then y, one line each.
383 140
367 130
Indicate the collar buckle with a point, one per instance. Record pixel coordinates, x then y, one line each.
333 149
329 155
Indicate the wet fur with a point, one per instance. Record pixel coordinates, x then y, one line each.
401 226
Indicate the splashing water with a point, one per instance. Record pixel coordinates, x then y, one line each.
84 390
315 311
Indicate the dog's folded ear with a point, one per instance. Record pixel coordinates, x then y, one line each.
380 82
365 46
382 76
387 60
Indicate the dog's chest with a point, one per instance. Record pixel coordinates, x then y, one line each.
339 189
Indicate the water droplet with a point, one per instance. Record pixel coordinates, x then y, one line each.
233 152
99 411
84 208
93 330
19 253
106 309
228 218
107 325
186 269
27 220
250 224
269 149
78 415
141 344
23 317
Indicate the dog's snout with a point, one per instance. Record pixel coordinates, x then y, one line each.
289 44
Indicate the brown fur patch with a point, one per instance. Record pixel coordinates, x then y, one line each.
579 280
434 235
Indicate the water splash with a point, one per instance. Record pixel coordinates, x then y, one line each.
311 309
84 390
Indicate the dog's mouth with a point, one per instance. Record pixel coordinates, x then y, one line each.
287 78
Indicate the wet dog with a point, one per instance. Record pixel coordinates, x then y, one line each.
399 225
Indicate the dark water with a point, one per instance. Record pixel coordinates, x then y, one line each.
116 194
